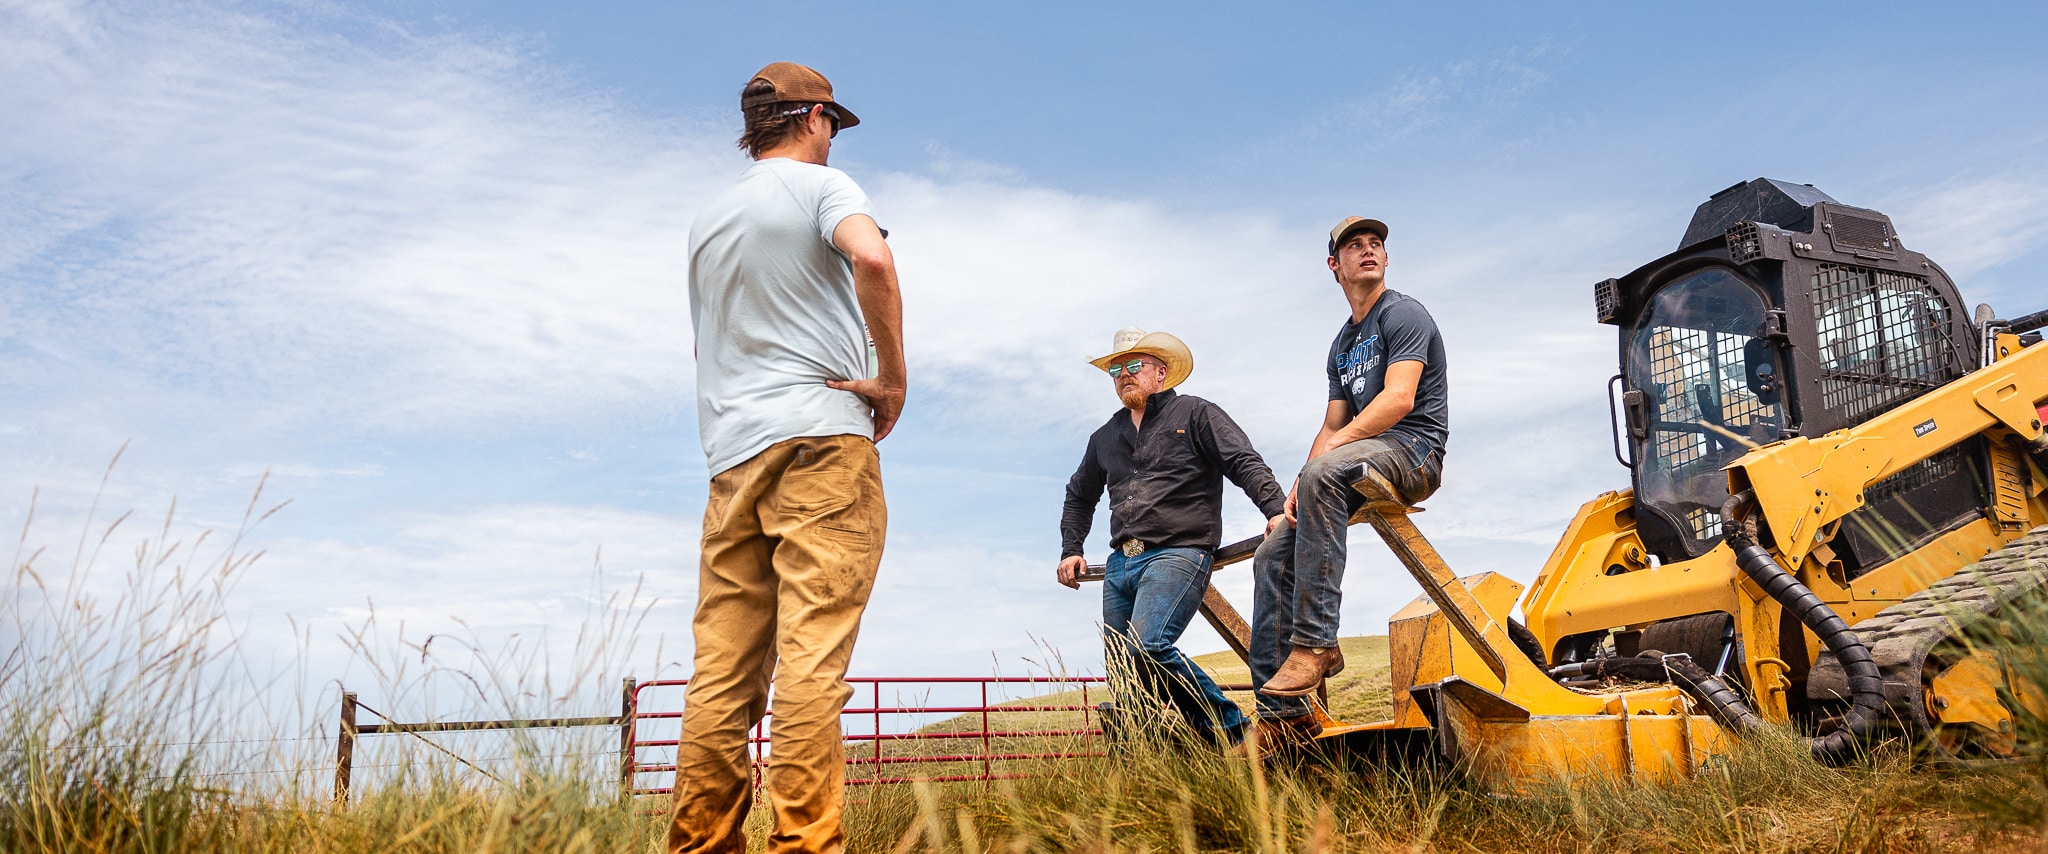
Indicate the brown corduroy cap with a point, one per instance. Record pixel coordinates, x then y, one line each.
1355 223
795 82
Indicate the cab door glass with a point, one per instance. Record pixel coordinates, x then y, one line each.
1713 388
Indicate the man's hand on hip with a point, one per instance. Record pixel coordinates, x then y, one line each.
886 401
1287 512
1274 523
1071 569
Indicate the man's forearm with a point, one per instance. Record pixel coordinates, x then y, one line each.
881 304
1322 442
1233 452
1077 515
1379 415
1072 540
1383 412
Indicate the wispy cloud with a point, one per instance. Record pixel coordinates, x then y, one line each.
225 227
298 238
1473 89
542 575
1975 223
404 232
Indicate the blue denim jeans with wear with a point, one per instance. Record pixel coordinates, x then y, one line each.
1147 602
1298 573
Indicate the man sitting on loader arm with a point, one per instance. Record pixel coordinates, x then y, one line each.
1163 457
1388 412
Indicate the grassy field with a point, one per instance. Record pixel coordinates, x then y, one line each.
1145 798
115 737
1159 797
1358 695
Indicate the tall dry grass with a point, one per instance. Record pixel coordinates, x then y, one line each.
1767 797
121 731
133 720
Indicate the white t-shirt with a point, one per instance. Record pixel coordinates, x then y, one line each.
775 314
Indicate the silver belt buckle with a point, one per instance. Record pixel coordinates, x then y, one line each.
1133 548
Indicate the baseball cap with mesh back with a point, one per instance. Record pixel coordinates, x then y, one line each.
800 83
1355 223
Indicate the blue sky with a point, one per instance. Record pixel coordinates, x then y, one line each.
423 262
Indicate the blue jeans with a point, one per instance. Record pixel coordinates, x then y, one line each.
1298 573
1147 602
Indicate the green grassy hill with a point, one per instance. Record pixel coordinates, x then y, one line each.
1358 695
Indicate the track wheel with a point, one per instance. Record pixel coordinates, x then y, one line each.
1973 705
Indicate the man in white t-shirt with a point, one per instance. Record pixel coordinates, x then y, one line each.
790 280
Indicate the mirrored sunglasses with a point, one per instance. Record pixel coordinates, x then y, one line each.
1131 367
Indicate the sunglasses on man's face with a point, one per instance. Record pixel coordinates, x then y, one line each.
830 114
1131 367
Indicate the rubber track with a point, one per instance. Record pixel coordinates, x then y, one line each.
1901 636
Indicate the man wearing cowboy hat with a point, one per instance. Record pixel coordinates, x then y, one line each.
1163 457
1388 411
790 281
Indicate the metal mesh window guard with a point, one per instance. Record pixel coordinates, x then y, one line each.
1882 339
1701 373
1934 468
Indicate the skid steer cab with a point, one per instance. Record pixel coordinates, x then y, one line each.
1836 472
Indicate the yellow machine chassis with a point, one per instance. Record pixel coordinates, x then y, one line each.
1458 676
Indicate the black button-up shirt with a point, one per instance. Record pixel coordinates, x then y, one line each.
1165 478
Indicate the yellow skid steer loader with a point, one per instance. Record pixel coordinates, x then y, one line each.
1836 473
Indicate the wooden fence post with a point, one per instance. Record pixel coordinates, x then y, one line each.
628 706
345 750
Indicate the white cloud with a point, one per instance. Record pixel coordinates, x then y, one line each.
273 232
1009 289
1475 89
218 229
518 593
397 230
1972 224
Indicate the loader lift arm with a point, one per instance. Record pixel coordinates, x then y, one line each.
1805 485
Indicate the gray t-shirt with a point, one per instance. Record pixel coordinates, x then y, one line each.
775 314
1396 329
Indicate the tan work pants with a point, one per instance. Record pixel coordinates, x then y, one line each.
792 539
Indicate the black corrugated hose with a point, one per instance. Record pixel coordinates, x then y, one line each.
1866 686
1722 702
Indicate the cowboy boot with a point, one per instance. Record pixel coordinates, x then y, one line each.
1270 735
1305 668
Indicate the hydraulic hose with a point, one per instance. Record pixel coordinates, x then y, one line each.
1722 702
1866 686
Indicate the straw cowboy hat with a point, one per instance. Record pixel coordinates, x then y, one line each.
1163 346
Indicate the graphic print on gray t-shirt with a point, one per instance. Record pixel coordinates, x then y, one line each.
1396 329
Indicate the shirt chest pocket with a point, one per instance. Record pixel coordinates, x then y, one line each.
1167 448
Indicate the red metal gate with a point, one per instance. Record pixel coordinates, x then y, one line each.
958 736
